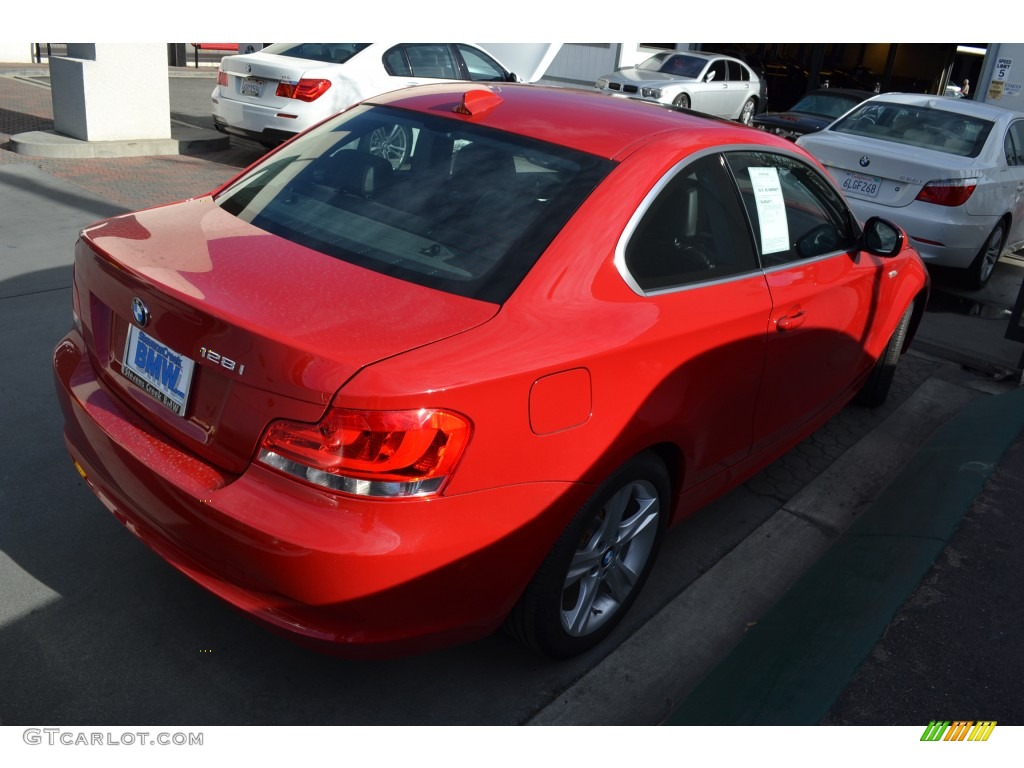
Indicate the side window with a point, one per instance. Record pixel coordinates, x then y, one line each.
479 66
431 60
395 63
693 231
1014 144
795 213
719 71
735 71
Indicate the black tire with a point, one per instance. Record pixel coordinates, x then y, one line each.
984 263
682 101
590 578
747 112
876 388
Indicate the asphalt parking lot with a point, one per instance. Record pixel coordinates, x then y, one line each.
97 630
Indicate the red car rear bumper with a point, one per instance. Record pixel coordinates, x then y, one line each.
361 577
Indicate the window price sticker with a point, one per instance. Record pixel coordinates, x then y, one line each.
771 209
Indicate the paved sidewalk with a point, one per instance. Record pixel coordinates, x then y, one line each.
793 666
131 182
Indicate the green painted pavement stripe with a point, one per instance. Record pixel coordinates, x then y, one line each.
791 666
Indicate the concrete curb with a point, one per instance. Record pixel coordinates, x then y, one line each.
790 668
646 677
184 140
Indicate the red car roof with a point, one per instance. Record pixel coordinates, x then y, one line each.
588 121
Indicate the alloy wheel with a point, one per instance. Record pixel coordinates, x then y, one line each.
612 553
390 143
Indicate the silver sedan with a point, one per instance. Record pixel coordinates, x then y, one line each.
949 171
705 82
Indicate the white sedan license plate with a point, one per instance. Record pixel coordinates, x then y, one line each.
158 370
859 184
252 86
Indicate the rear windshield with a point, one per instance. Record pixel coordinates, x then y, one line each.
434 201
826 105
332 53
938 129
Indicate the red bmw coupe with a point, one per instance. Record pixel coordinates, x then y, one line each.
383 409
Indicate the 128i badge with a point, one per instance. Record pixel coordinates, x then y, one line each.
224 362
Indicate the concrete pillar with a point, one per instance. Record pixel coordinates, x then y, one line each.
112 92
177 55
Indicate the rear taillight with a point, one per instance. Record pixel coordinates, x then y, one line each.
222 77
370 453
304 90
950 192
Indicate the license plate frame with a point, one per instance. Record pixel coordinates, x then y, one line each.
251 86
861 184
158 370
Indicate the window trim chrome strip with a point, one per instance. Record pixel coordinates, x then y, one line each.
620 247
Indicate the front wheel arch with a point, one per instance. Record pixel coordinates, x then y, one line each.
875 390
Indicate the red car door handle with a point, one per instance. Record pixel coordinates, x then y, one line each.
789 322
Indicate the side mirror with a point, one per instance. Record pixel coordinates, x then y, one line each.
882 238
513 78
710 76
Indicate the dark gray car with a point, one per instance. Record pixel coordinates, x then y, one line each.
812 113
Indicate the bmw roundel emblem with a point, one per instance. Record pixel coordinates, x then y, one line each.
865 162
140 313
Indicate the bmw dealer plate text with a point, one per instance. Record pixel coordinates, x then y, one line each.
859 184
158 370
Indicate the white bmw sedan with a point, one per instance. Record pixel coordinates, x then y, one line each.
949 171
271 95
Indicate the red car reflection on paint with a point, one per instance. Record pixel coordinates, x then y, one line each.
385 406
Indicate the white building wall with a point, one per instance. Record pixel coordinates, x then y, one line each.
15 53
583 63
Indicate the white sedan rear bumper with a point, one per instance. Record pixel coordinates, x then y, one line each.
944 236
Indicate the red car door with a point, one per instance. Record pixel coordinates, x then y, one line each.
690 253
824 292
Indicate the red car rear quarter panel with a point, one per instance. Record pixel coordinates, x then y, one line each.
681 368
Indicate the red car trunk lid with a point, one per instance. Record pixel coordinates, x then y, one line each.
273 329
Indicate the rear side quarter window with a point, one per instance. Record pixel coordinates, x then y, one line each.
693 231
